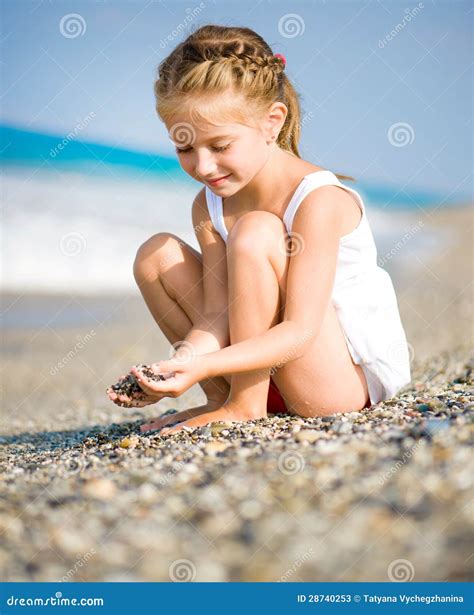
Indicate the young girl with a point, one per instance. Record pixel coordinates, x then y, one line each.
286 309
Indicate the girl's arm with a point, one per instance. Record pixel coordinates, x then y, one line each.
311 274
310 281
211 333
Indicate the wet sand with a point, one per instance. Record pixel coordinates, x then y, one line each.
357 497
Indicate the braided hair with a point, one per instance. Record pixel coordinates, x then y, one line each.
215 60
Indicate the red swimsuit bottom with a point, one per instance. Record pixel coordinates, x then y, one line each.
275 402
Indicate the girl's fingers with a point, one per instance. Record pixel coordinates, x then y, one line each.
152 387
155 424
146 386
174 429
148 427
166 368
170 430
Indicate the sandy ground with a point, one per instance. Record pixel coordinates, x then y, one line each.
362 496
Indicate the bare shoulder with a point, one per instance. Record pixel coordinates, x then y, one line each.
199 209
200 212
202 223
332 206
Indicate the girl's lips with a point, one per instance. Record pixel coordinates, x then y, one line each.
215 182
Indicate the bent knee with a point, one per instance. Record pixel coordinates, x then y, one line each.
256 230
155 253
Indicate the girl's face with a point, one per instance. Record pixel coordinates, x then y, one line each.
224 157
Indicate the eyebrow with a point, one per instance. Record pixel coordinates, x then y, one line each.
216 138
220 137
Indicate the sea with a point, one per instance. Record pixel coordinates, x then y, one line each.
74 213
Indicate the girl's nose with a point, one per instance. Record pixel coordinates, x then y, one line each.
205 165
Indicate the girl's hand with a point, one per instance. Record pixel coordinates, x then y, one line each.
180 375
138 399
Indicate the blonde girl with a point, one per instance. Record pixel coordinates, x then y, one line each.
285 308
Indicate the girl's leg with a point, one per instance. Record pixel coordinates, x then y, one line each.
254 298
254 307
325 379
168 272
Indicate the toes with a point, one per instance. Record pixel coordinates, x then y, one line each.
171 430
148 427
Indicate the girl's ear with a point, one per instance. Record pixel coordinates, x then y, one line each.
274 121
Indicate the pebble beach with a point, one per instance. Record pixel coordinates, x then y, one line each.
379 495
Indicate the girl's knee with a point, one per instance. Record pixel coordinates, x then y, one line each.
155 252
255 231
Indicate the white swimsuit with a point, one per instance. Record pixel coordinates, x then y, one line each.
363 295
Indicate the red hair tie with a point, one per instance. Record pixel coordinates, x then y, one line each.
281 57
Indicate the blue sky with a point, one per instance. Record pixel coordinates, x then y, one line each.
355 83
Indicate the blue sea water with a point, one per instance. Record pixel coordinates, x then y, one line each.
75 212
26 149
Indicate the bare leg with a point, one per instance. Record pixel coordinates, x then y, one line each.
324 380
254 300
169 275
254 307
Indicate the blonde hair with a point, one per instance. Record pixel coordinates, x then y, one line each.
215 60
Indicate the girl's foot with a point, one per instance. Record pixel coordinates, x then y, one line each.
183 415
227 412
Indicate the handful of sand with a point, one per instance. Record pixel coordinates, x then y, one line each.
129 385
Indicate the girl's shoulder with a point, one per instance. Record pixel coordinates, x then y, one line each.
307 168
300 168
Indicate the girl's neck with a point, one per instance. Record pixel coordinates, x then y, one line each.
274 183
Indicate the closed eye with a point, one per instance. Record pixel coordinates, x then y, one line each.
216 149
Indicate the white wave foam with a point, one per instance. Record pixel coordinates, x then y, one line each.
76 234
73 233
